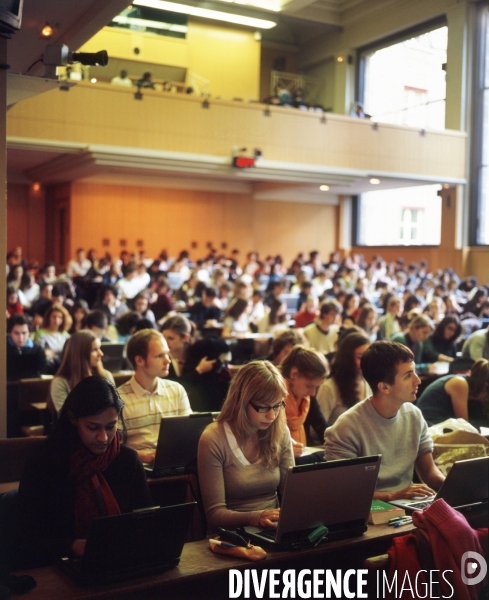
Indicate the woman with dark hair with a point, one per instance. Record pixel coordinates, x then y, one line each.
236 318
458 396
345 385
79 312
81 472
276 316
441 345
243 457
366 320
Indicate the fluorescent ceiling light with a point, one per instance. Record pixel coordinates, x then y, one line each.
206 13
123 20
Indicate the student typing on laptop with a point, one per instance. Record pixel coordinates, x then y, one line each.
82 471
388 423
147 397
243 457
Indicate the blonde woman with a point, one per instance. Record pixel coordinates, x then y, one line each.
243 457
82 358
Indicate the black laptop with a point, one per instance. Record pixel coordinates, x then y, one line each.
466 487
336 494
113 358
178 441
130 545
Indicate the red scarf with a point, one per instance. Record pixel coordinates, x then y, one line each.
94 498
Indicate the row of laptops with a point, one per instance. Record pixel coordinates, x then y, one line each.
151 541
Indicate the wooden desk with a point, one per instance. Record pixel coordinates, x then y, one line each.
203 575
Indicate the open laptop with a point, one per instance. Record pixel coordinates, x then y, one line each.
336 494
131 545
178 441
466 485
113 358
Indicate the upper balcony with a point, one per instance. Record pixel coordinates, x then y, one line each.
93 129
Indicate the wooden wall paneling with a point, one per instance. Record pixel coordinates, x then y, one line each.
17 222
177 123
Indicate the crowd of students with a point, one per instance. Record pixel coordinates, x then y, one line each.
331 378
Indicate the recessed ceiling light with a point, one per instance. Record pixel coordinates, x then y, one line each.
93 80
206 13
46 32
340 59
375 181
324 188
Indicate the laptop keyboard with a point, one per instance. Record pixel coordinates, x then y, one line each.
420 505
270 533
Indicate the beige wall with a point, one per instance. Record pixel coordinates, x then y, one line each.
229 57
173 219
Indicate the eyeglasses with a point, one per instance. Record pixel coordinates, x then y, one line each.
266 409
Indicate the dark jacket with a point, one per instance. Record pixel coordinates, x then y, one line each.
47 499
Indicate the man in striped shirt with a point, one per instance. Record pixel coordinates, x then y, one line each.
146 396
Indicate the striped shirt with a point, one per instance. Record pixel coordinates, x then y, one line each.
143 410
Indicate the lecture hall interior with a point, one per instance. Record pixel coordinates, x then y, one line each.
92 164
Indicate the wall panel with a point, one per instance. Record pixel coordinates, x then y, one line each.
173 219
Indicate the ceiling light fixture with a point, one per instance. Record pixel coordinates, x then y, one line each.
340 59
206 13
324 188
375 181
47 32
446 186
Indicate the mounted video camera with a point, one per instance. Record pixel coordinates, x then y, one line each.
59 55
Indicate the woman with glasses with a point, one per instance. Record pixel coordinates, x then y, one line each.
243 457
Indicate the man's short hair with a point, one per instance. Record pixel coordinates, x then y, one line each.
96 318
138 344
420 322
16 319
330 306
380 360
210 291
59 290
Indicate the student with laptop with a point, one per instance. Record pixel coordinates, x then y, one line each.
388 423
82 471
243 457
147 397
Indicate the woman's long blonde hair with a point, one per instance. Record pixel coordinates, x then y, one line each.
75 365
259 382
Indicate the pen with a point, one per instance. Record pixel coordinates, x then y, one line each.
402 522
394 519
222 544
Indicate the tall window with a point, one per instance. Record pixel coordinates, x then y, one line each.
404 82
480 165
401 217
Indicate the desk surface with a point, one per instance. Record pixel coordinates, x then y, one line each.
202 574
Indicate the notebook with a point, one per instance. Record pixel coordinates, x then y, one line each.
129 545
337 494
466 485
113 358
177 445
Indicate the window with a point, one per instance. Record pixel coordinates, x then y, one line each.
401 217
480 164
404 82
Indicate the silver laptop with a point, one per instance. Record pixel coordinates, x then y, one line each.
335 494
466 485
178 441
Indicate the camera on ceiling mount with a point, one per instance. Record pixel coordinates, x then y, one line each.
59 55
